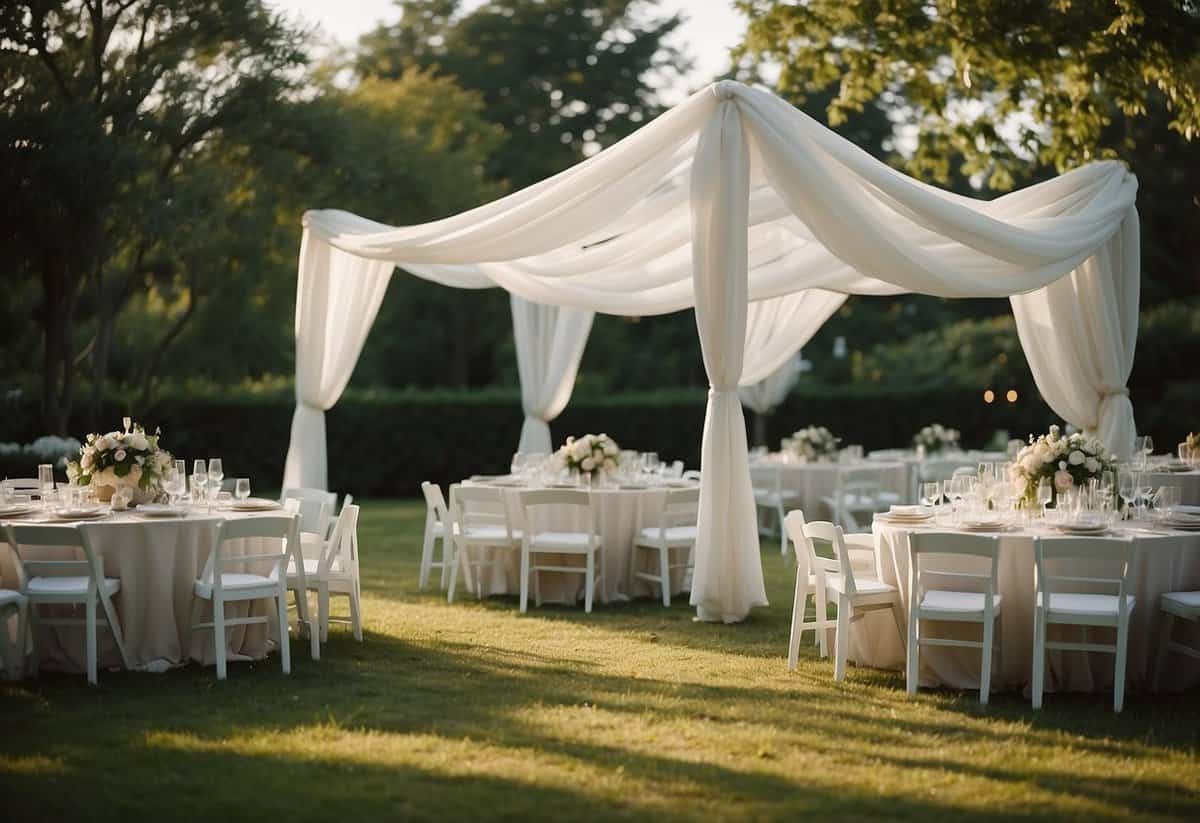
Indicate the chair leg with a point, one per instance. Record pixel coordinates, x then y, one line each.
841 640
664 573
822 616
24 637
1119 668
91 635
356 610
323 610
537 588
453 576
447 559
985 676
799 607
590 579
524 579
219 634
912 662
285 644
1039 657
426 556
1164 648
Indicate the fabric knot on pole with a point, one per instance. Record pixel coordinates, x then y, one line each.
1114 391
725 89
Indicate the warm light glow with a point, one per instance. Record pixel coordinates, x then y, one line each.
989 396
1011 396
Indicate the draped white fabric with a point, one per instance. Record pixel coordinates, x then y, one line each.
549 342
735 196
337 298
1079 335
765 396
779 327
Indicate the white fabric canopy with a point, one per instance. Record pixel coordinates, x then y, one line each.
765 396
549 342
735 196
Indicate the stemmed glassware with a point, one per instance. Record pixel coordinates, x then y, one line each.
1126 488
241 488
174 483
931 494
1143 447
199 480
1045 493
46 483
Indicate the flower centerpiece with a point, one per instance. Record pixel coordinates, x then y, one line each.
936 438
1067 460
129 458
813 443
591 454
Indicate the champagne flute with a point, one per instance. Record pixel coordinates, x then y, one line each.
241 488
1125 490
199 480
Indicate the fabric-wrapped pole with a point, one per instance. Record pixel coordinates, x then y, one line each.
549 342
727 581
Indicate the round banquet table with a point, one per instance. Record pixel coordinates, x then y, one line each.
814 482
617 510
1164 561
1188 483
157 561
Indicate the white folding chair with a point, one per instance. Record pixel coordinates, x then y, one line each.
316 508
1075 608
13 604
1181 606
856 595
335 571
67 583
857 494
22 485
927 603
770 496
536 542
482 532
438 526
264 577
807 583
675 529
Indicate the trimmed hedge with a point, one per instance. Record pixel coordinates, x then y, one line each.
386 443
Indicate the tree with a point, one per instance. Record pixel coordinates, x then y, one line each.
563 77
1008 91
105 106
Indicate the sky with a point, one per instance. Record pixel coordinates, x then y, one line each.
710 29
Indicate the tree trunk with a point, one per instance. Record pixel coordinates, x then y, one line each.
58 367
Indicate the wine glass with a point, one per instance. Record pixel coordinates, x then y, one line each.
173 483
931 494
1143 446
199 481
216 473
241 488
1144 488
1045 493
1125 489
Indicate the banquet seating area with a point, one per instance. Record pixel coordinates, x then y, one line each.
89 585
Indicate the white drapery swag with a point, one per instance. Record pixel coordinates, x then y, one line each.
337 298
765 396
734 195
550 342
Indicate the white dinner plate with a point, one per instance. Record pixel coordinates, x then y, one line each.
17 511
160 510
80 514
254 504
983 525
910 511
1082 528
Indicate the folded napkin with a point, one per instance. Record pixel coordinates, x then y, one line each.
909 511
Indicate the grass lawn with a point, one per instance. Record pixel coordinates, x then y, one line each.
473 711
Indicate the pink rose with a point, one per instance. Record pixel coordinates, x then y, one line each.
1063 480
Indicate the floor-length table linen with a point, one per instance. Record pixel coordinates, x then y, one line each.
1164 562
157 562
617 512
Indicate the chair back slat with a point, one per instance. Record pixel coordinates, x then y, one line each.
67 536
316 508
1115 551
840 564
341 551
947 547
533 499
479 506
282 527
435 503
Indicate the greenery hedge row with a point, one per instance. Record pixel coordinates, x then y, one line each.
386 443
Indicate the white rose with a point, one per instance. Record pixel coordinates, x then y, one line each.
588 464
1076 457
138 441
1062 465
120 455
610 465
610 449
87 461
1030 463
1093 465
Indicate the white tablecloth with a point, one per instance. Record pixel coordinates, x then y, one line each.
617 514
157 562
1163 563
